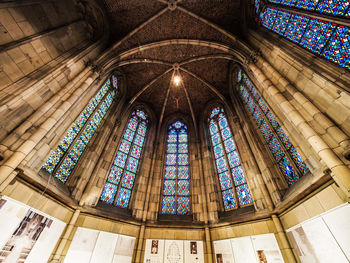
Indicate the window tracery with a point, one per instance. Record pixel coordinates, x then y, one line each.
234 188
176 184
121 177
282 149
65 157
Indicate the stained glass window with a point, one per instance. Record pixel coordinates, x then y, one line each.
328 40
282 149
176 186
331 7
121 177
63 160
233 184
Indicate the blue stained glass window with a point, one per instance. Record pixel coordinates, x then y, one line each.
176 186
328 40
332 7
316 35
228 164
121 178
64 158
296 27
275 137
338 49
282 20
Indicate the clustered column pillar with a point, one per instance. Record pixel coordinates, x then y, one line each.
7 169
340 172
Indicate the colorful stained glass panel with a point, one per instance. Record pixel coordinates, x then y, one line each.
229 199
183 187
316 35
183 148
225 181
169 187
170 172
183 159
132 164
123 198
238 175
338 49
120 159
183 172
172 148
183 205
244 196
108 193
171 159
115 174
128 180
168 205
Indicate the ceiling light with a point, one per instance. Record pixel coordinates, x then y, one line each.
177 80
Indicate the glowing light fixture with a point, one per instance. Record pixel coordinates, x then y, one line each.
177 80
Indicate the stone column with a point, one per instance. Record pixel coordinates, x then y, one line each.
284 85
285 246
62 243
340 172
57 99
264 194
140 242
208 245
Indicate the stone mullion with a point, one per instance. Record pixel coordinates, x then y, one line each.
264 194
340 172
208 184
10 164
264 162
159 172
284 85
150 177
94 187
92 155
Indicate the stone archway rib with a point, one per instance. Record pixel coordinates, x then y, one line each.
138 94
205 57
114 63
190 105
134 31
165 103
194 42
211 87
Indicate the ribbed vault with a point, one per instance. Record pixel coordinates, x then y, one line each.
155 40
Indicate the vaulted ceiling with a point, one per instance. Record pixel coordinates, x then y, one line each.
155 39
